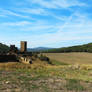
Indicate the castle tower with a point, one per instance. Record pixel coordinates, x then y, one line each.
23 46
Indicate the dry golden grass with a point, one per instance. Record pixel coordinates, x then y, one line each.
18 65
71 58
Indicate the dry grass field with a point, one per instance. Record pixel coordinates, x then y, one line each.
71 58
43 77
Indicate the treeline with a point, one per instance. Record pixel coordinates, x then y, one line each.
3 48
79 48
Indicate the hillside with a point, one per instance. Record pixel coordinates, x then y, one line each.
3 48
79 48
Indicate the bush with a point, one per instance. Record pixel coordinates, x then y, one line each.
45 58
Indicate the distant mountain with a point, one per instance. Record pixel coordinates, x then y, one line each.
78 48
3 48
39 49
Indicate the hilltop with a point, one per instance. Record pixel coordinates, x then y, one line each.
3 48
78 48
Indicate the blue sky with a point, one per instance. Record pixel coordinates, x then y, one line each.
49 23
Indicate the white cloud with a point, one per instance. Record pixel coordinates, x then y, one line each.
21 23
27 26
57 3
72 30
5 12
1 15
67 3
37 11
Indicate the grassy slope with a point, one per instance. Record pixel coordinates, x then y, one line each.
71 58
78 48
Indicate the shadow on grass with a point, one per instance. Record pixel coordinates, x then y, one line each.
73 84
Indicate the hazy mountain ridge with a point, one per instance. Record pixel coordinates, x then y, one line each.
39 49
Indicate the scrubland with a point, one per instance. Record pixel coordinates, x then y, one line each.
42 77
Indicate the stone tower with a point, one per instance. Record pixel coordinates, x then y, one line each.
23 46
